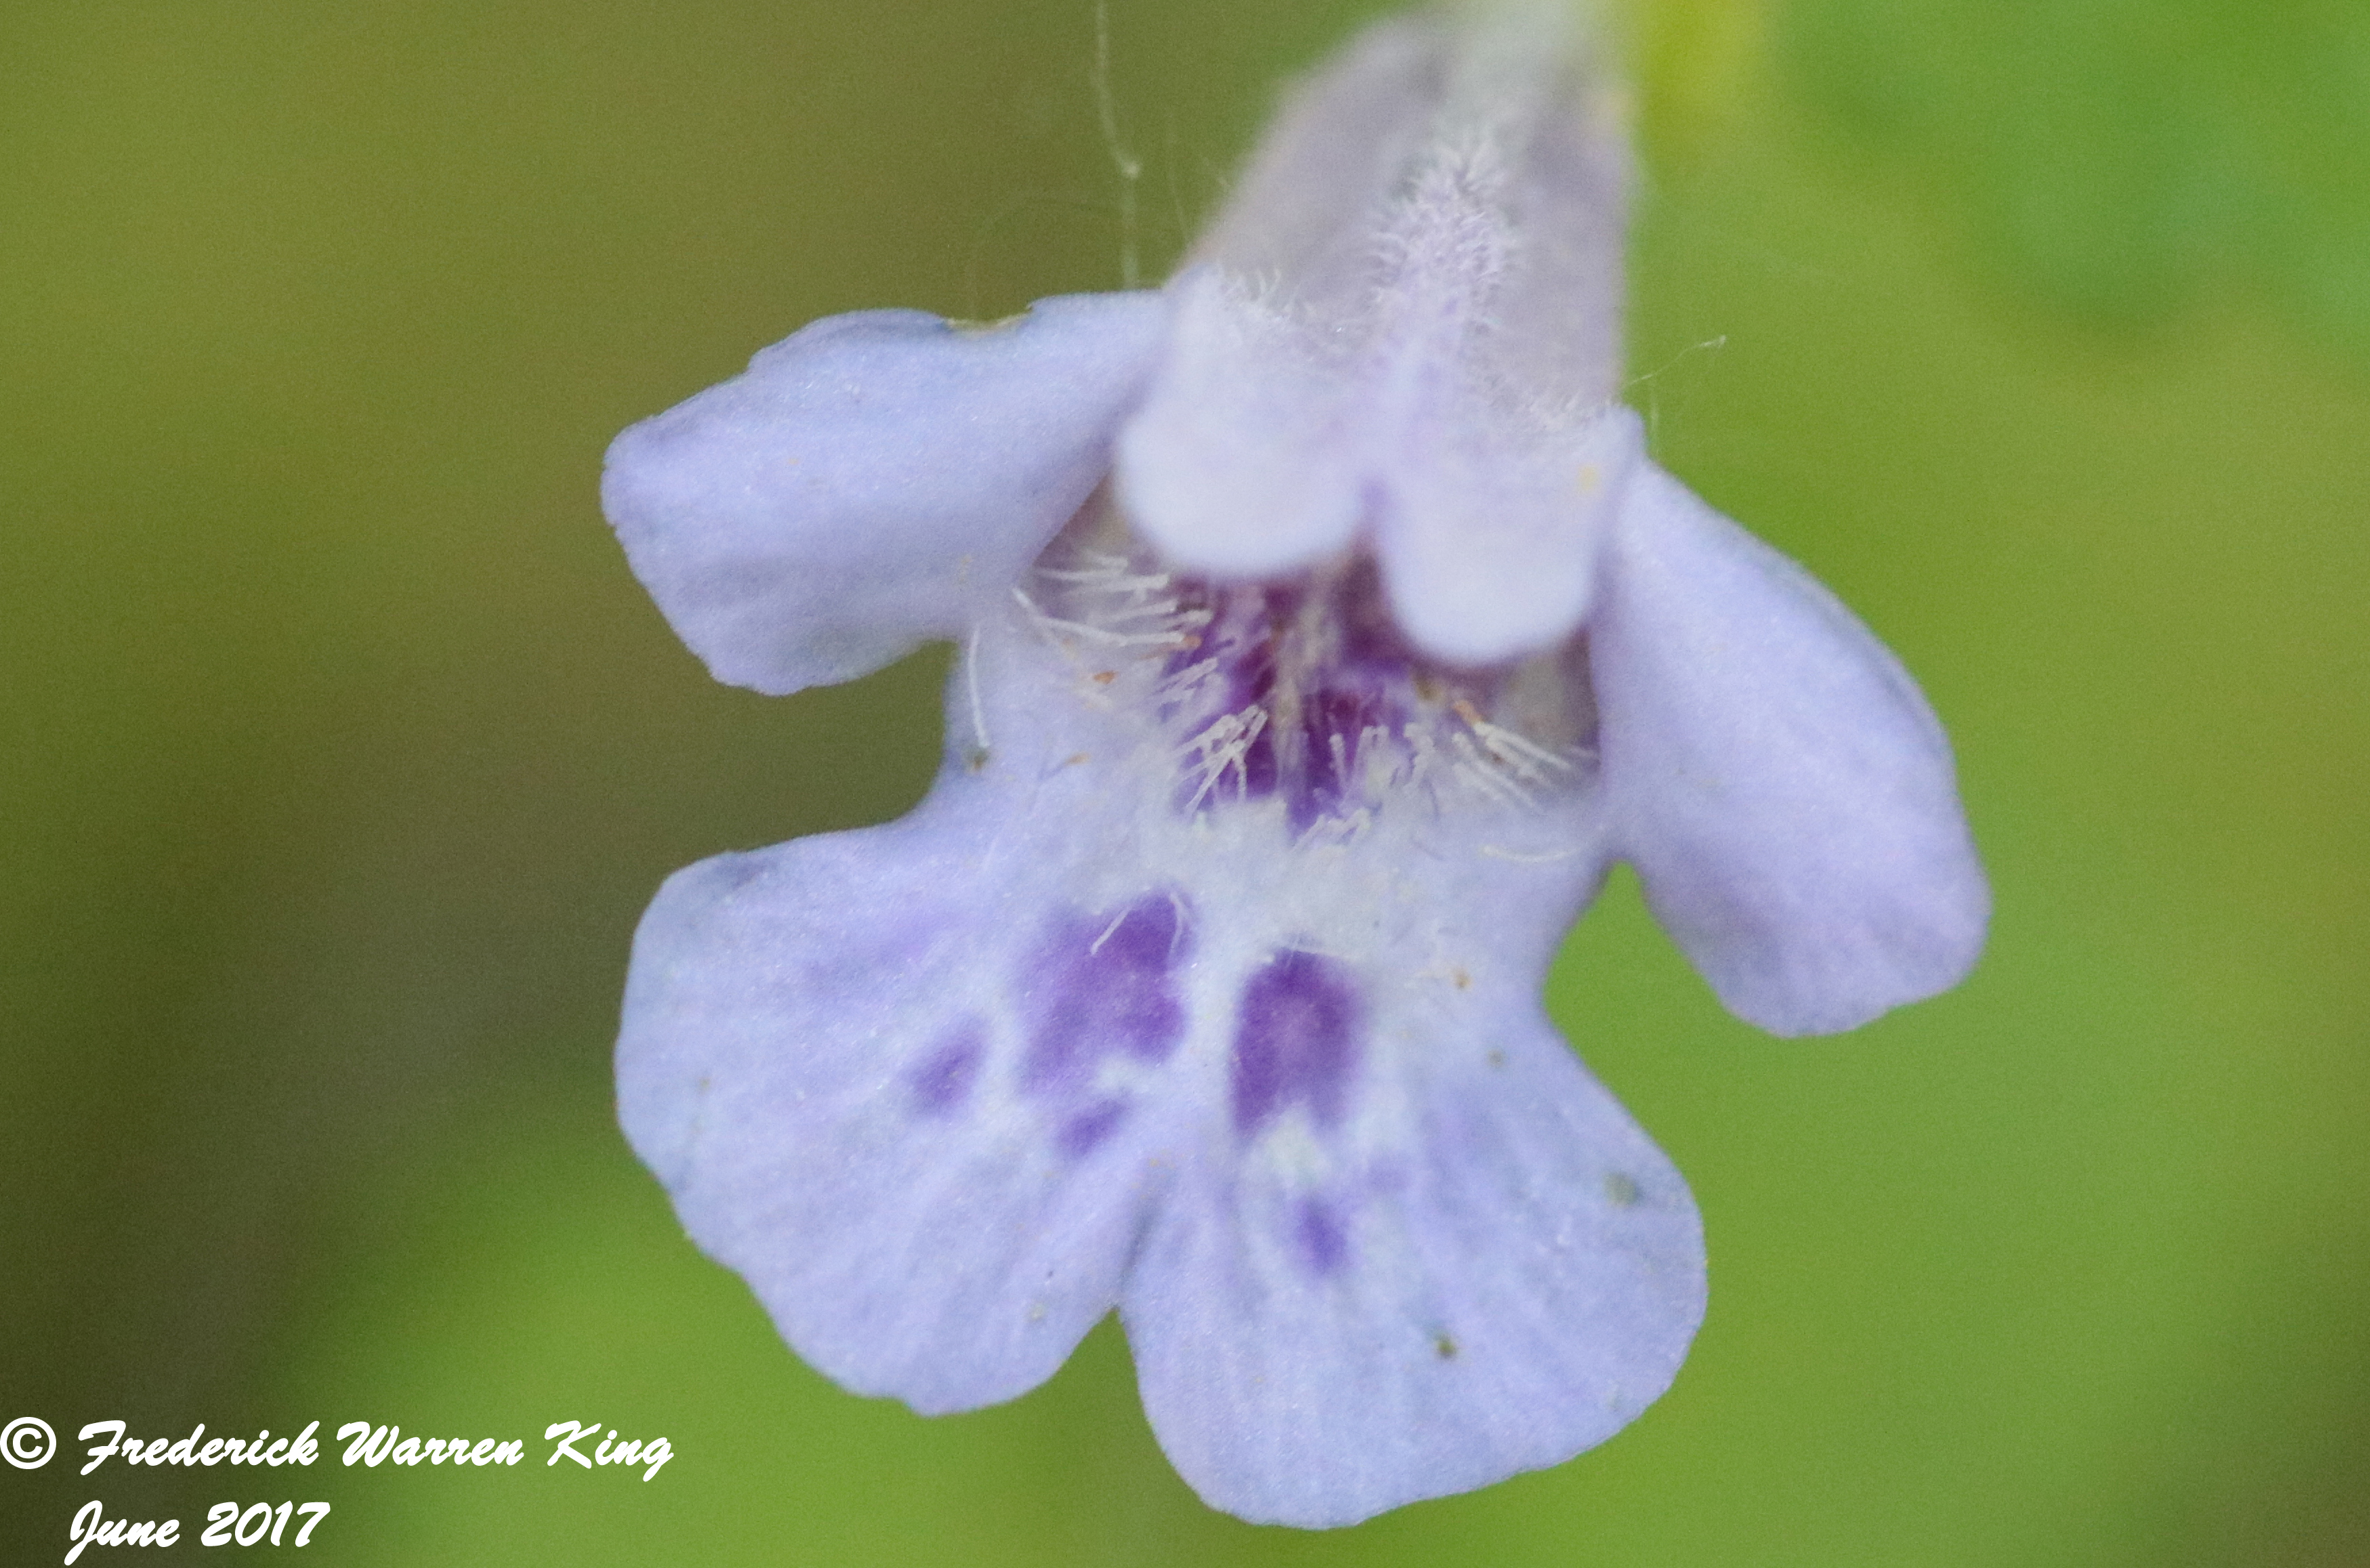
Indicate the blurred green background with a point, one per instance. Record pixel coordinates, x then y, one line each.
339 752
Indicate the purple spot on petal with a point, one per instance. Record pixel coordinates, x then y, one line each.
1104 989
1082 1131
945 1077
1295 1041
731 873
1324 1243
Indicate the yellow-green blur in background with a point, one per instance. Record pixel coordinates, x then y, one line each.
338 753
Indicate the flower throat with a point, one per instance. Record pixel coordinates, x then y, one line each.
1304 690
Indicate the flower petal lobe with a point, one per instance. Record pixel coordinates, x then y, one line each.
872 480
824 1057
1785 792
1322 1337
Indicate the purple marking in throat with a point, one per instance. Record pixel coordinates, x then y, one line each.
944 1078
1102 987
1323 664
1324 1240
1295 1041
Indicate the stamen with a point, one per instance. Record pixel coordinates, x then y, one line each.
978 708
1481 770
1532 762
1186 683
1053 624
1117 921
1226 742
1522 858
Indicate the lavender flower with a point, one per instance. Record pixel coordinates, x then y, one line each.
1324 635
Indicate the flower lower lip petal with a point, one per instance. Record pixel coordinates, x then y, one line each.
1513 1284
881 1109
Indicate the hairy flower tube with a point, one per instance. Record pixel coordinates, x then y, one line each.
1324 635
